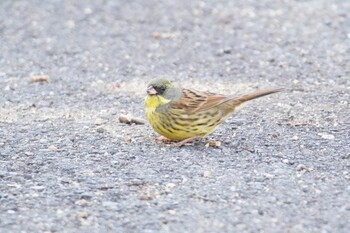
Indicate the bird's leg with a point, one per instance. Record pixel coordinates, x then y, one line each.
163 139
183 142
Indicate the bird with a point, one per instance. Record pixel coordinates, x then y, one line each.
184 114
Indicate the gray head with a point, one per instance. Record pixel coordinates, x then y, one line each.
164 88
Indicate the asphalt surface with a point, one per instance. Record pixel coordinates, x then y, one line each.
68 165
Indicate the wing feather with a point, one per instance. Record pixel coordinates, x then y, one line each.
192 101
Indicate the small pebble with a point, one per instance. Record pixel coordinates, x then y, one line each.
70 24
168 187
317 191
301 167
82 215
227 50
87 195
87 11
206 174
98 121
147 197
326 136
100 130
52 148
155 35
286 161
305 189
171 212
38 188
81 202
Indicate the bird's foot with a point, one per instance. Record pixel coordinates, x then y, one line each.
163 139
185 141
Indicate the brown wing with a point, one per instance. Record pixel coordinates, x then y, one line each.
192 101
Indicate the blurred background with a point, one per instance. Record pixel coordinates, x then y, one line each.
69 68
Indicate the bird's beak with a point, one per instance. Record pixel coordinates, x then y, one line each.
151 91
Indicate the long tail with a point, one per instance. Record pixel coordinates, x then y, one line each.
258 94
232 104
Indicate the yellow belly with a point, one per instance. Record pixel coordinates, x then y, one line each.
177 125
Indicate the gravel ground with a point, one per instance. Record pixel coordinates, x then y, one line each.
68 165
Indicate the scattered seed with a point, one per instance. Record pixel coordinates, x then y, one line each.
39 79
128 119
213 143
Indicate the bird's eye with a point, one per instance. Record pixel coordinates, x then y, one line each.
160 89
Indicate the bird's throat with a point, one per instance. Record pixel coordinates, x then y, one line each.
152 103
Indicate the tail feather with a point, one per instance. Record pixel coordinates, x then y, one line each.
234 103
257 94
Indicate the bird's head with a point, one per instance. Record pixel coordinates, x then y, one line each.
160 92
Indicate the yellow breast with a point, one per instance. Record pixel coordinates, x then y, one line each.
155 118
175 124
152 103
